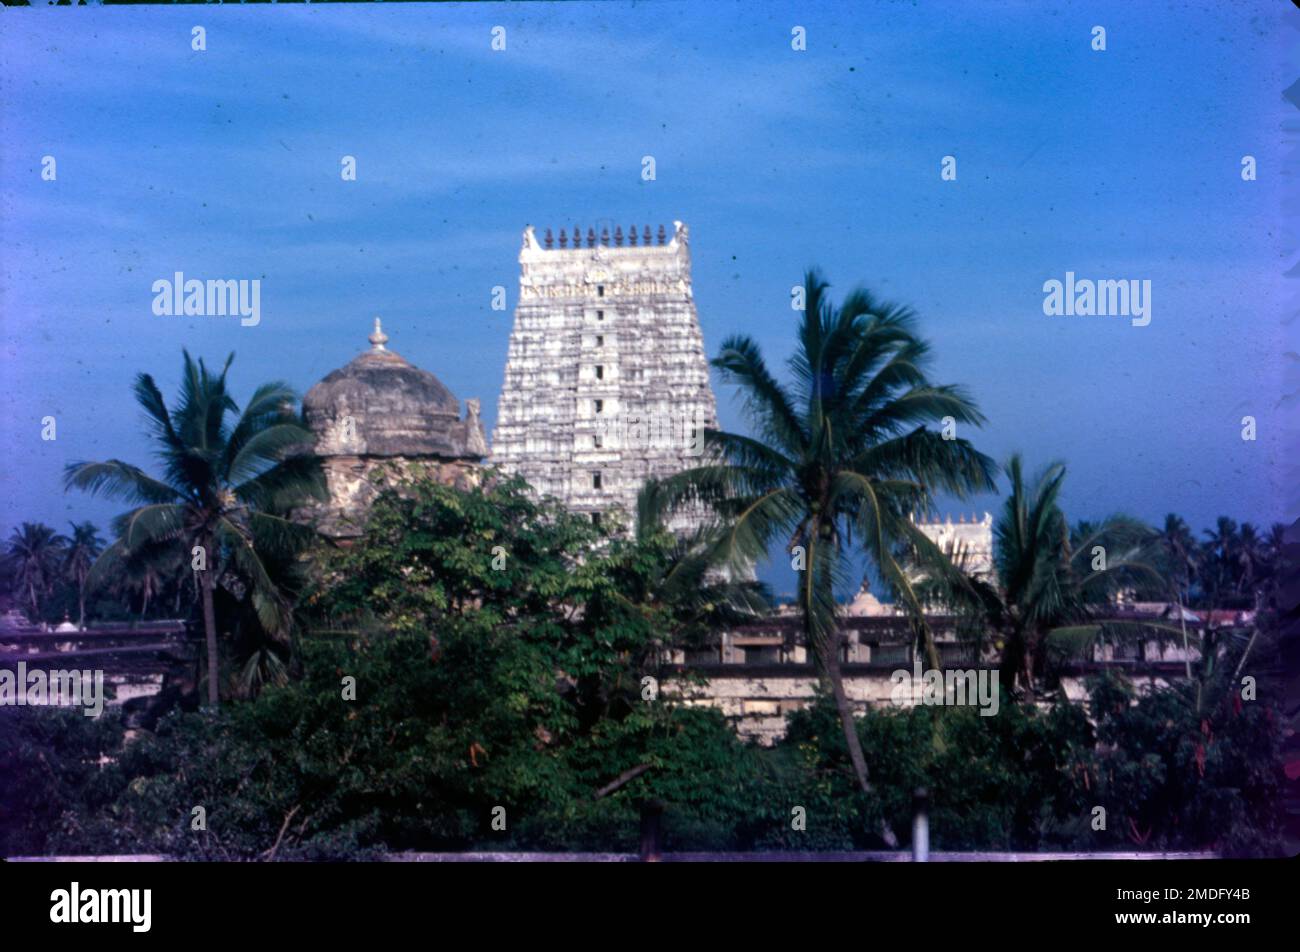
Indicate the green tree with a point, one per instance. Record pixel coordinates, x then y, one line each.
35 556
1052 583
225 495
1181 556
845 451
1252 562
432 552
143 572
1189 766
1220 562
538 631
601 606
84 547
676 572
1181 550
1275 563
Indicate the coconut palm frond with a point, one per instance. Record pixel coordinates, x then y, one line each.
227 488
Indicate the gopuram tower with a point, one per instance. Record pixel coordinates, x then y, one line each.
606 380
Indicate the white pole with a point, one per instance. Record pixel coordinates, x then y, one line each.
920 827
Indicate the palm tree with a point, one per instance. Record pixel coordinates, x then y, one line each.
1182 557
1031 558
845 451
1275 542
1220 563
1251 560
143 572
84 546
226 492
1181 550
1051 582
34 555
676 572
1275 559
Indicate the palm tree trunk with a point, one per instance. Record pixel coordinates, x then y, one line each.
1006 673
1187 658
1032 662
1245 654
927 640
1013 660
830 664
210 636
823 637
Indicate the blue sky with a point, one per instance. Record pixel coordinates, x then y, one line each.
225 163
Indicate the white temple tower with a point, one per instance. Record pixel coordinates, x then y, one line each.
968 544
606 381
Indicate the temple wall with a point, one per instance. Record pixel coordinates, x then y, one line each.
757 705
354 482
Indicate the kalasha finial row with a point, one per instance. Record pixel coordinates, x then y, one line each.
646 240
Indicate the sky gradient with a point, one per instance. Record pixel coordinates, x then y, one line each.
225 163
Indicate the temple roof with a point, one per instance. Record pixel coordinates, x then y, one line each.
382 405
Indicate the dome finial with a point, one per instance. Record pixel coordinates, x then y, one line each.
378 338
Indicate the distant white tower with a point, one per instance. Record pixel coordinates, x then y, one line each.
969 544
606 380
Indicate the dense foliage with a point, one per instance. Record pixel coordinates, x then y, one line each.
483 671
517 683
423 756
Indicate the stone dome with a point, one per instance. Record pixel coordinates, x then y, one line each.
381 405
